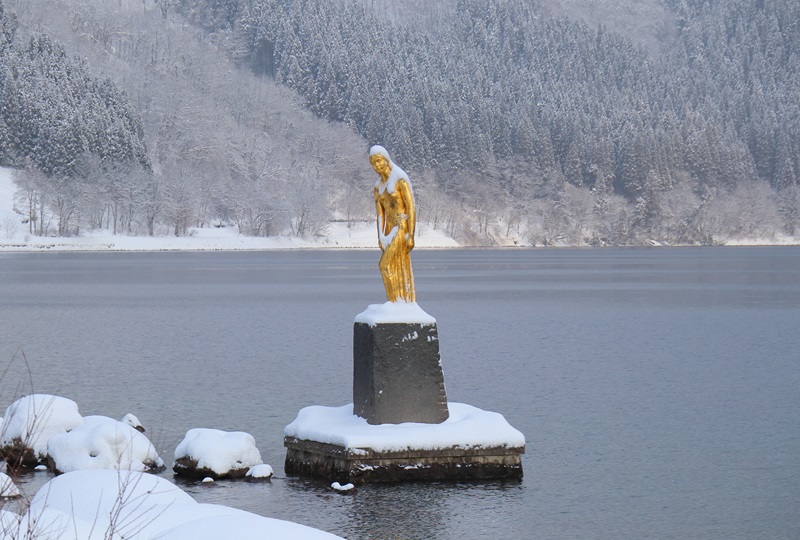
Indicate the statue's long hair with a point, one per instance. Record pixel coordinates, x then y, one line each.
395 174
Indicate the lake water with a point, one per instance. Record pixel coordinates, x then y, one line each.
658 389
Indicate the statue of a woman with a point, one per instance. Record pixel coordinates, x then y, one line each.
394 204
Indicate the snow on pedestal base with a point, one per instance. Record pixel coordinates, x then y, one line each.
335 444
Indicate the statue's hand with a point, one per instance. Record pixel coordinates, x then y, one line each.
410 241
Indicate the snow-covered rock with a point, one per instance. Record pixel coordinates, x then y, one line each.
29 424
137 506
258 473
218 454
100 442
132 421
346 489
8 489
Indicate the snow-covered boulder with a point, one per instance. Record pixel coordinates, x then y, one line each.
259 473
218 454
346 489
100 442
132 421
137 506
8 489
29 424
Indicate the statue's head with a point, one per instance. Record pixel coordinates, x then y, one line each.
379 158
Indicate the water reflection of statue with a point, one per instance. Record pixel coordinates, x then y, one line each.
394 204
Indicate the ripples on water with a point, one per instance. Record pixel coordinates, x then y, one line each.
657 388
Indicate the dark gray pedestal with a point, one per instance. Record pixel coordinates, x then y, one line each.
397 375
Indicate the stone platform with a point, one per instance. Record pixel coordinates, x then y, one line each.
334 444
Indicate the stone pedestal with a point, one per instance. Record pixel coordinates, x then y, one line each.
400 427
397 374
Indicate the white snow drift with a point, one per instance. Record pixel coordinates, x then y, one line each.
99 504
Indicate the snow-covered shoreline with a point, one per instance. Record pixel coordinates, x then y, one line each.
14 237
340 236
359 237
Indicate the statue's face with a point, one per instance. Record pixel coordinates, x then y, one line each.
380 164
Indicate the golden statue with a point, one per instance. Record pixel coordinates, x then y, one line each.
394 204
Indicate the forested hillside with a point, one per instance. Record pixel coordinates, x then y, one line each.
213 144
60 122
516 124
504 99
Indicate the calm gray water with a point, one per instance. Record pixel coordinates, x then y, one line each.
658 389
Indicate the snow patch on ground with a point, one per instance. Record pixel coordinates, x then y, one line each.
777 240
467 427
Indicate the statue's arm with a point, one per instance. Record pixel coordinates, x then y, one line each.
411 212
379 212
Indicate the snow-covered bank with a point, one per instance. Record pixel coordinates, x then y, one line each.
105 490
14 236
125 504
362 235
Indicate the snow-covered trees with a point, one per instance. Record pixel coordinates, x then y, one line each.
54 111
67 130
